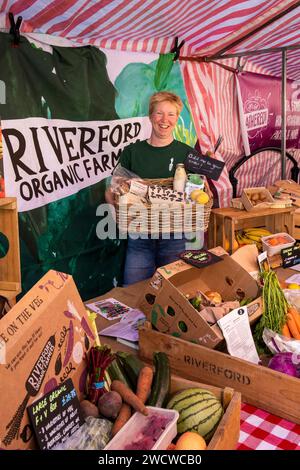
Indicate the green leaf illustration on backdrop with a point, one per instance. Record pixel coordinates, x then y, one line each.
138 81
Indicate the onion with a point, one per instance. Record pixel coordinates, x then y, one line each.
282 362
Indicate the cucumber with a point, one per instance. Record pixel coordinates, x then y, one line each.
131 365
116 373
161 381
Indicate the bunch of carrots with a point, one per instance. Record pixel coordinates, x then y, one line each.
291 328
132 400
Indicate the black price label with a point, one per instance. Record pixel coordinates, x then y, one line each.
207 166
290 256
199 258
56 416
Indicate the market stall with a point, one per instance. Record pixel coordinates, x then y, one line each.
212 360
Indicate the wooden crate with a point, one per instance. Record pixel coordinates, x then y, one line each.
224 222
10 272
297 225
227 433
262 387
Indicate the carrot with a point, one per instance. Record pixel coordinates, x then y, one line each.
285 331
129 397
295 314
144 383
292 326
122 418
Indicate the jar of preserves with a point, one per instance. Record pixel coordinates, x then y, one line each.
180 178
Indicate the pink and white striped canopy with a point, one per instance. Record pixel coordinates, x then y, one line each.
207 26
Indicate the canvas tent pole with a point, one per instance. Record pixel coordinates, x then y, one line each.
270 50
283 114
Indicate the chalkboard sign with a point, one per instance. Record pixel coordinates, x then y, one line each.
199 258
290 256
207 166
56 416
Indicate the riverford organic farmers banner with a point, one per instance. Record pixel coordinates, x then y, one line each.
259 100
49 159
66 114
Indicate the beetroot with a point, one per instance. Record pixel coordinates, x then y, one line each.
109 404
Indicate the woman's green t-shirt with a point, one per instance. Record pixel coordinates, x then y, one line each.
147 161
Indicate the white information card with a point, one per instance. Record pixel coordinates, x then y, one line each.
237 333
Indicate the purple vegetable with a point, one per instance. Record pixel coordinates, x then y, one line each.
86 328
68 314
70 344
50 385
82 380
286 363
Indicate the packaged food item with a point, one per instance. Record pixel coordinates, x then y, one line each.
180 178
194 183
152 432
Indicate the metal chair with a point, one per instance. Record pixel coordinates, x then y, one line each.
239 163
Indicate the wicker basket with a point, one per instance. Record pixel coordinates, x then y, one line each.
164 218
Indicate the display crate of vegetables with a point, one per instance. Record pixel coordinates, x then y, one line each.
274 391
145 407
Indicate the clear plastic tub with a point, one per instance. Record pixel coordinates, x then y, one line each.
274 250
136 434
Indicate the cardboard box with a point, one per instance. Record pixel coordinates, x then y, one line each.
237 203
165 304
43 341
10 271
264 388
248 203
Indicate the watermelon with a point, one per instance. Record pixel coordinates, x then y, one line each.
199 411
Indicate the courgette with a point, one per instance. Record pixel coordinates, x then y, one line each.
131 365
115 372
161 381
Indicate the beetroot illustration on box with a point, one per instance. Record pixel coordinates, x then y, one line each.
43 342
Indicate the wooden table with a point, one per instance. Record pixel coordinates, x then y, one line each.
225 221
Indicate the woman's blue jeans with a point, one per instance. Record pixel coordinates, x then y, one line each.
143 256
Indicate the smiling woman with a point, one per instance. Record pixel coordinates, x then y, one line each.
156 157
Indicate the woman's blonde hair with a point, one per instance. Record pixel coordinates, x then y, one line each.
165 96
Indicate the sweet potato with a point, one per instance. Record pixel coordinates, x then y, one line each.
88 409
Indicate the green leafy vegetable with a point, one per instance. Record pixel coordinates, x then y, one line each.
275 308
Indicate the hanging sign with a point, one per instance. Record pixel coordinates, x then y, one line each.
207 166
259 103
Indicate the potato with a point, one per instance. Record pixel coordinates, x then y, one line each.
109 404
88 409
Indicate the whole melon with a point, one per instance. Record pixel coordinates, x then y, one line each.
199 411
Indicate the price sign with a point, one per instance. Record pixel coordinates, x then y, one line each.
290 256
56 416
199 258
207 166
